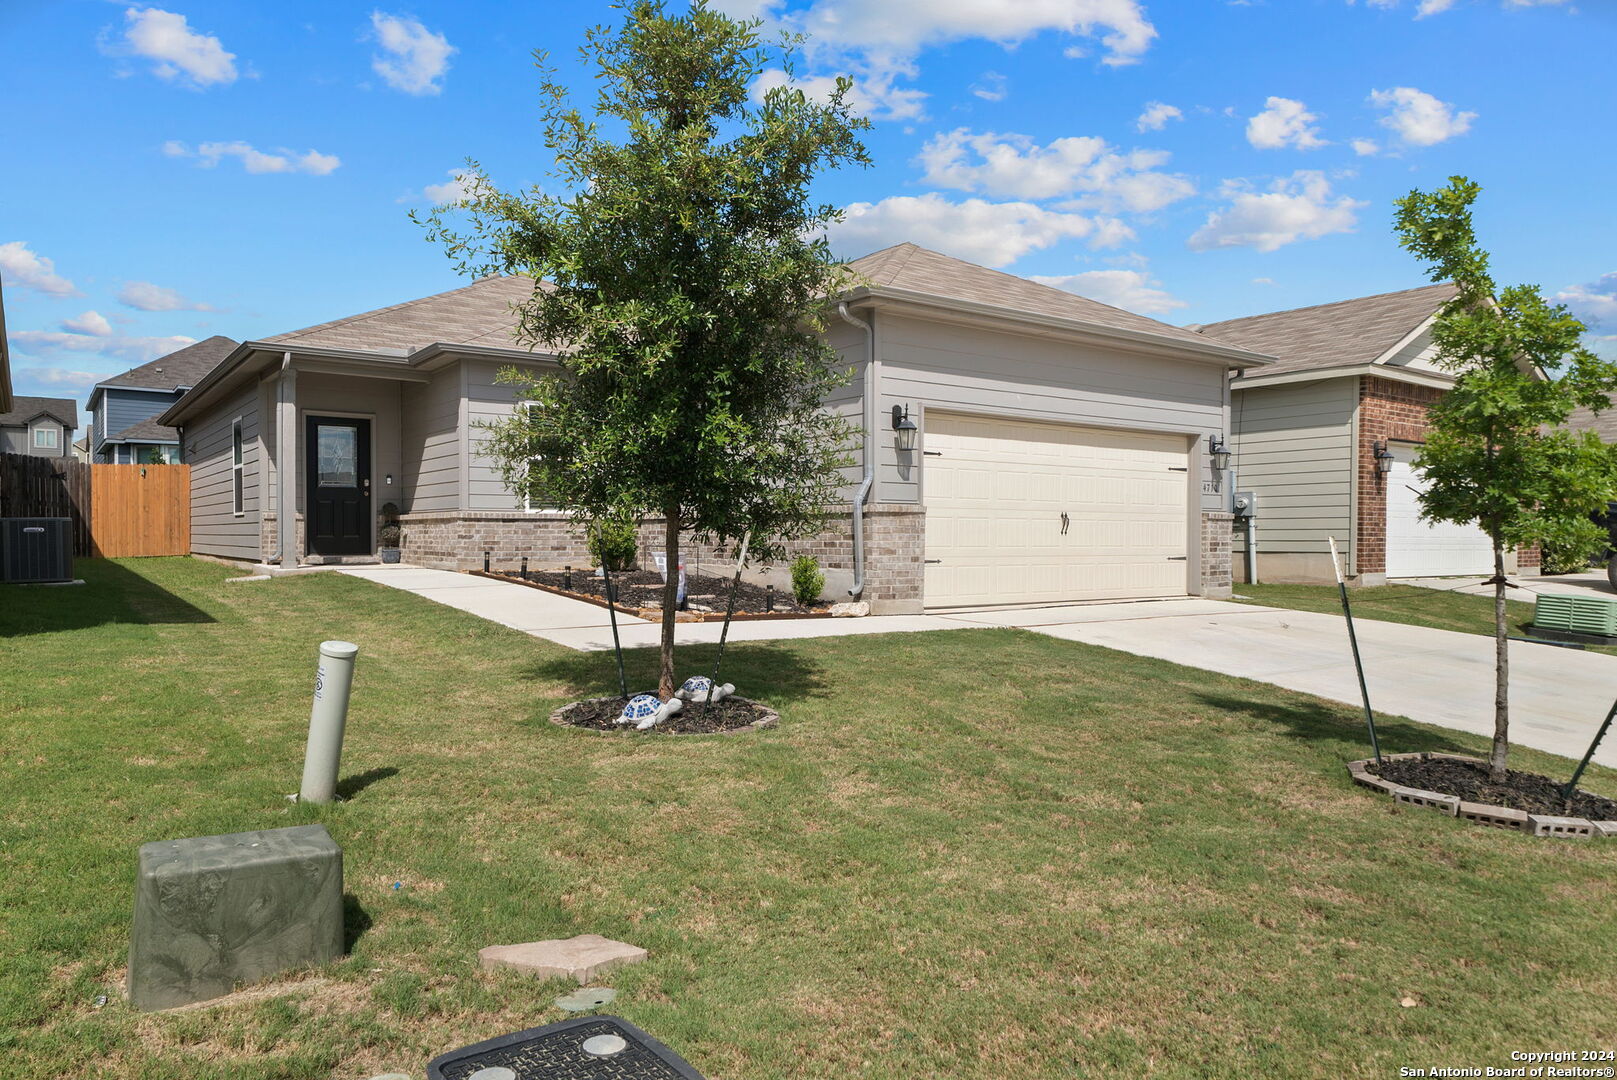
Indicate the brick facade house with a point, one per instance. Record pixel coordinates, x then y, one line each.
1326 441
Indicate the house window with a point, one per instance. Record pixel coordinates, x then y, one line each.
236 491
45 438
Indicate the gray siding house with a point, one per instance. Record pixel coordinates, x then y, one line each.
39 427
1350 389
124 409
1062 449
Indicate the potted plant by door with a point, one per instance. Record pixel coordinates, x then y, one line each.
390 534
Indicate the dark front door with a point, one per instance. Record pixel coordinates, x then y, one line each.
337 495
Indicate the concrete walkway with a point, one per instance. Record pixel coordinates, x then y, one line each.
1559 696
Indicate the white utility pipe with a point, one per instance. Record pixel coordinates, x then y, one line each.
333 681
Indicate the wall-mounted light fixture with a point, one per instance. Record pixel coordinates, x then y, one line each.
388 479
904 428
1384 458
1218 452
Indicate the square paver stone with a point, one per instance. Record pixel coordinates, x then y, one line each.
214 911
582 957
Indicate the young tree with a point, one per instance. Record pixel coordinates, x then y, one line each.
685 278
1497 453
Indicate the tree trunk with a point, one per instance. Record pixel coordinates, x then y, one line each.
1501 699
665 678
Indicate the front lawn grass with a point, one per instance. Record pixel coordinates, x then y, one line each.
974 853
1465 613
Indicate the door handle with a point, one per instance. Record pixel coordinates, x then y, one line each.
1065 521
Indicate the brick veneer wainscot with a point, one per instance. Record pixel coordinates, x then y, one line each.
1218 535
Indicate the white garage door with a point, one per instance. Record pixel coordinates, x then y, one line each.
1417 548
995 495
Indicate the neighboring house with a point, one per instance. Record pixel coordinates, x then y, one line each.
1351 387
39 426
1062 453
81 447
124 409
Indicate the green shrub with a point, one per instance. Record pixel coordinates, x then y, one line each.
1561 559
614 544
807 580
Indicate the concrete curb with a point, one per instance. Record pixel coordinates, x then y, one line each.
1487 814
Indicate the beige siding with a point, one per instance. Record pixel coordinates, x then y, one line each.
1419 354
848 400
487 400
1294 449
963 369
215 527
432 443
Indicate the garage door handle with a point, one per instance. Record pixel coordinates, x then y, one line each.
1177 558
932 560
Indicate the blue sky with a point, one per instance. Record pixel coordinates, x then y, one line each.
194 168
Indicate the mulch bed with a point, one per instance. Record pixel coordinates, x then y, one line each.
1526 791
643 589
721 717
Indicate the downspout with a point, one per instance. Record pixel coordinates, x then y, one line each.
870 450
286 464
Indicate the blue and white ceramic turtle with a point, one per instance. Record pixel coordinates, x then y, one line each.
646 711
700 688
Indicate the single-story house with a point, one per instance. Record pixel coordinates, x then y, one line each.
1062 451
1347 398
124 409
39 426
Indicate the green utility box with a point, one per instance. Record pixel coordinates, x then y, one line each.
214 911
1575 618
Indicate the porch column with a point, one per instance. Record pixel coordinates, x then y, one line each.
286 456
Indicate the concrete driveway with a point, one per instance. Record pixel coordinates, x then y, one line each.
1558 696
1588 583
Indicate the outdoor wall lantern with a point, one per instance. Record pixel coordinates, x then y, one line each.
1384 458
904 428
1218 452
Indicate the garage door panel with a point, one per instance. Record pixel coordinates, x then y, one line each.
995 495
1417 548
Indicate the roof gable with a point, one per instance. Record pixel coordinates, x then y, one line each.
26 409
481 313
917 269
181 368
1346 333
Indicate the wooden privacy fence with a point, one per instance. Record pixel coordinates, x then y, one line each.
118 511
140 510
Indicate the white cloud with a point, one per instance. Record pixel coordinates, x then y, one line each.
1595 303
872 94
1156 116
144 296
253 160
994 234
1366 147
876 42
1283 122
25 269
91 322
453 190
55 380
135 350
413 59
178 52
1299 207
1132 290
1263 281
1087 167
991 87
1432 7
1437 7
1419 118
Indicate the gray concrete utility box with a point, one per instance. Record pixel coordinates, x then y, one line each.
214 911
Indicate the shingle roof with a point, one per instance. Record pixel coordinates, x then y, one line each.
1342 334
907 266
183 367
1605 424
479 313
146 431
24 409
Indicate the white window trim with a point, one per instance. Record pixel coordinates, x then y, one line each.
238 463
55 442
